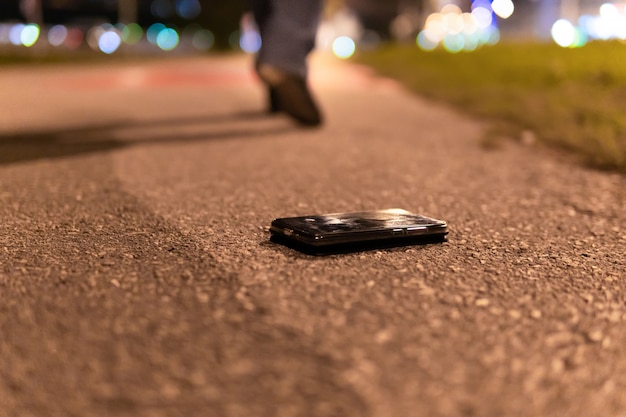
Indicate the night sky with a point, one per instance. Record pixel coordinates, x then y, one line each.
62 11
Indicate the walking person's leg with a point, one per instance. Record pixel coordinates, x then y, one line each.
288 29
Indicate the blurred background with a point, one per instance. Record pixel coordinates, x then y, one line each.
184 26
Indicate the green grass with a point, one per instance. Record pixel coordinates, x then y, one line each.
570 98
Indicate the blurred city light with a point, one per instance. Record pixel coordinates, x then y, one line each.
483 17
29 35
201 39
109 41
167 39
5 30
453 42
250 41
15 34
427 40
105 38
457 31
188 9
343 23
153 31
503 8
249 38
344 47
609 23
74 38
57 35
451 28
132 34
563 32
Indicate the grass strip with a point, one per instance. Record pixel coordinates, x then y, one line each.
570 98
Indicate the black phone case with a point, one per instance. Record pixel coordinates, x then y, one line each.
359 231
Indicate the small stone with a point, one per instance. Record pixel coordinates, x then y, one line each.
426 290
557 365
482 302
515 314
614 316
383 337
115 283
536 314
560 339
496 311
595 336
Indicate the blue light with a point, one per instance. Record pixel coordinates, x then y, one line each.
57 35
250 41
188 9
109 42
153 31
454 43
15 34
167 39
425 42
343 47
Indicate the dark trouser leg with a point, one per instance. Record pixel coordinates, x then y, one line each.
288 29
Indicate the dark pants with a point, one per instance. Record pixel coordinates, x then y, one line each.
288 29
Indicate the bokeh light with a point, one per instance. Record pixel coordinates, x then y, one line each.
74 39
29 35
109 41
4 33
344 47
93 36
451 9
453 42
563 32
15 34
427 40
456 31
250 41
167 39
132 34
609 11
346 23
470 42
153 31
188 9
57 35
483 17
202 39
609 23
503 8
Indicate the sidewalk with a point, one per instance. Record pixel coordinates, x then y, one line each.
136 278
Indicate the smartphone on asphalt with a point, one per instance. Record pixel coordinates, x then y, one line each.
349 232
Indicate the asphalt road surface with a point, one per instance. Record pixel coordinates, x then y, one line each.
137 279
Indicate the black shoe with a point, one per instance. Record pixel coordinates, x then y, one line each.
289 93
272 95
